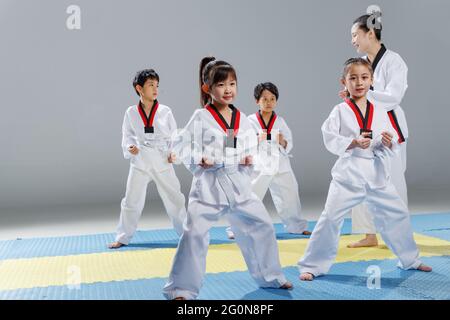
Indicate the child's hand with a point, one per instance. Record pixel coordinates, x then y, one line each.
172 158
281 140
362 143
344 93
262 136
247 161
206 164
133 150
387 139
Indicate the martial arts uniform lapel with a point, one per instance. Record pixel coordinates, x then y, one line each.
148 121
377 59
231 130
268 127
391 114
364 122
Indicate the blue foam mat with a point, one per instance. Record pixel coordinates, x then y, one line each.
434 225
346 281
74 245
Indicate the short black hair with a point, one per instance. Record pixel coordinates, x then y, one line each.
142 76
363 23
269 86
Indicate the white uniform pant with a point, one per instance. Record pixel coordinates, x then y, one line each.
254 234
390 216
284 191
362 218
132 204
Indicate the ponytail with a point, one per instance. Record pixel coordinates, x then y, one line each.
203 78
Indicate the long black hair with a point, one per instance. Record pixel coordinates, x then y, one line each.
213 71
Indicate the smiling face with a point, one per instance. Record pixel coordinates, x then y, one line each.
267 102
149 91
358 80
224 92
361 39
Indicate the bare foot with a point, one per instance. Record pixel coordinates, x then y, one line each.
287 286
306 233
115 245
369 241
306 276
424 268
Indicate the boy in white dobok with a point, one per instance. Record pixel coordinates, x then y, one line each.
146 141
359 134
273 169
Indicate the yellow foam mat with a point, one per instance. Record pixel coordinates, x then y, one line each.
144 264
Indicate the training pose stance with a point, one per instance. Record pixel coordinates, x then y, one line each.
273 169
359 134
389 87
223 142
146 141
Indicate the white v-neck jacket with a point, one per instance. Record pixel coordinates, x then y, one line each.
204 137
153 147
357 166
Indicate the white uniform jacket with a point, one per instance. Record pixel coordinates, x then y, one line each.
153 147
227 179
358 166
272 158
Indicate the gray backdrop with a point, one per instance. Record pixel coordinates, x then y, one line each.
63 93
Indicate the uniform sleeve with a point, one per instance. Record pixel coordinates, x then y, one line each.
287 133
249 137
379 148
396 85
333 140
172 125
383 153
248 144
128 136
187 144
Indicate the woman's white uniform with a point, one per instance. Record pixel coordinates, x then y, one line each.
223 189
273 171
389 87
360 175
150 164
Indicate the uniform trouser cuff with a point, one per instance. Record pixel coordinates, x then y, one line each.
175 293
413 266
122 240
314 272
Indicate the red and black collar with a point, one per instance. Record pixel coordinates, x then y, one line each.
235 118
268 127
148 121
365 122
